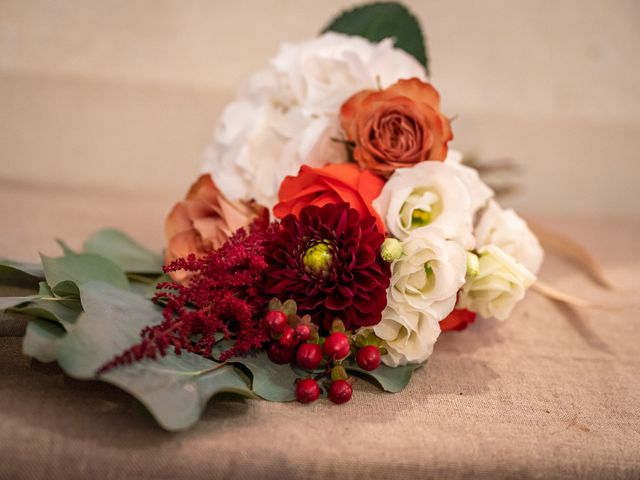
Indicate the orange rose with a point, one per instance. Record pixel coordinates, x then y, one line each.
397 127
204 221
333 183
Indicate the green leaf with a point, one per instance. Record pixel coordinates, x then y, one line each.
66 249
51 307
20 274
41 340
9 302
174 388
124 252
390 379
270 381
79 269
147 288
377 21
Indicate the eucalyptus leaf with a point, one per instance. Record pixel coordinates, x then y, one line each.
20 274
51 307
270 381
41 340
82 268
175 388
9 302
51 310
124 252
66 249
147 288
377 21
390 379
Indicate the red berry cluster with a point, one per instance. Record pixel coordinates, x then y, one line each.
294 337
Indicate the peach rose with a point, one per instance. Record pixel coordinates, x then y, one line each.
333 183
396 127
204 221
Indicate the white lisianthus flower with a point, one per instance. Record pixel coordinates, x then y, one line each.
429 195
479 192
423 290
287 113
500 283
429 274
505 229
409 334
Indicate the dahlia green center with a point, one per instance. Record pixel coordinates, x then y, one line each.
317 259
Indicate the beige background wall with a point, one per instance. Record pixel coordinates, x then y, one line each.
124 93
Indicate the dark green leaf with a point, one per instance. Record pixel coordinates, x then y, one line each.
174 388
20 274
82 268
377 21
390 379
124 252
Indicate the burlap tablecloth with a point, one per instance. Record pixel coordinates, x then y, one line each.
550 393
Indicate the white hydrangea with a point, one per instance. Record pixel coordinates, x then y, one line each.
287 113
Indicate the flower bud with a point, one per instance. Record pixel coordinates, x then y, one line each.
473 265
391 250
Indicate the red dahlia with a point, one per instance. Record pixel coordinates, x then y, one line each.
328 260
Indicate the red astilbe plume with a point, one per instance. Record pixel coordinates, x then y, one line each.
328 260
224 296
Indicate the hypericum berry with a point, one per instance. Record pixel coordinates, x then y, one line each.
309 356
307 390
336 346
303 332
287 338
278 354
368 358
340 391
276 321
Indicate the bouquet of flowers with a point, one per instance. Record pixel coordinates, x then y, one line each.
333 234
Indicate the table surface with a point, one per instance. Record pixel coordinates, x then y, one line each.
550 393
